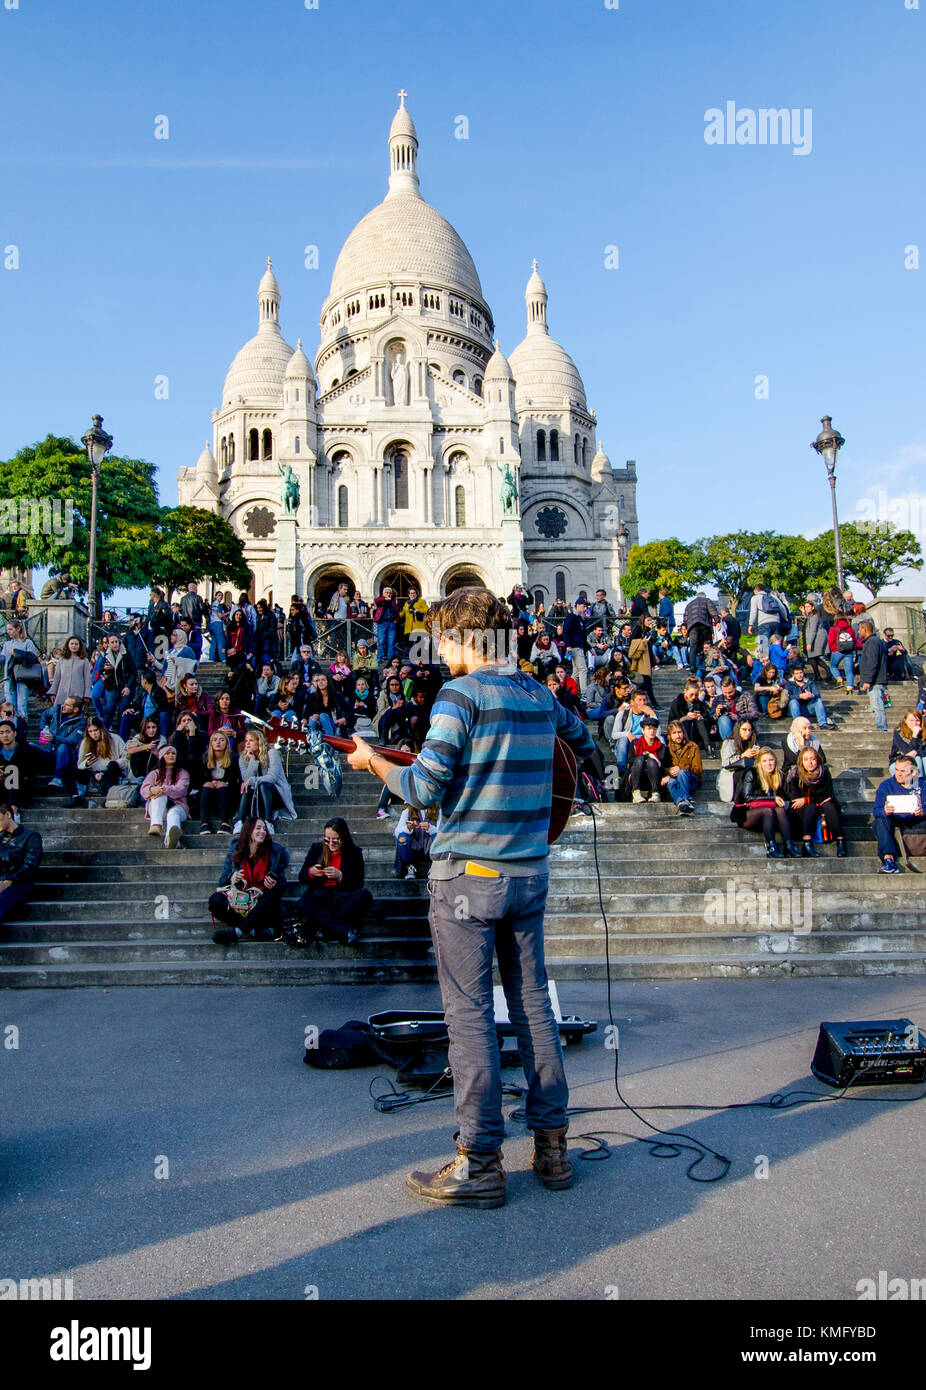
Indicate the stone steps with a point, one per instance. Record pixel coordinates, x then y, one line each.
656 870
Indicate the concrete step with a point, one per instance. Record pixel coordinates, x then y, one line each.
736 967
18 954
236 969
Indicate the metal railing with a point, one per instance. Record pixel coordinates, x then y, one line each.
35 623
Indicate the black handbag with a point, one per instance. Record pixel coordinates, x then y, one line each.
27 669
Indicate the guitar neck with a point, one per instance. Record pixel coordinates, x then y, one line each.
392 755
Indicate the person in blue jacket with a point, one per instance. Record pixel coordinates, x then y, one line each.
887 819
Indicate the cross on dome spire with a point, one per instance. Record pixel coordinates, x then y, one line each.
268 297
403 152
536 298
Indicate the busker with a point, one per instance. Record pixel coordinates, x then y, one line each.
488 763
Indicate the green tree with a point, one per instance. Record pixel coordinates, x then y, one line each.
665 564
56 472
875 553
797 567
734 563
193 543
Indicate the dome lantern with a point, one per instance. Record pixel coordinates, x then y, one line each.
403 152
536 299
257 371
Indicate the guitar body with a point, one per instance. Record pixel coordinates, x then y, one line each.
565 768
565 776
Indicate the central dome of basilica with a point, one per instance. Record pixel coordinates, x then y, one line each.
404 237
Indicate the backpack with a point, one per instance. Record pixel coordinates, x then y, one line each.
769 605
845 640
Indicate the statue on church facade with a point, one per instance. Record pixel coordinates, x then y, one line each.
289 494
509 489
400 381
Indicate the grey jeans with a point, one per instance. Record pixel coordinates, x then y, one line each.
471 919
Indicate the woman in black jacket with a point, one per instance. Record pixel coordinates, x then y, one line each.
908 739
266 636
191 744
760 805
220 780
810 788
325 707
335 901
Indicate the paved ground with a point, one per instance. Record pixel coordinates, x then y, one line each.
282 1177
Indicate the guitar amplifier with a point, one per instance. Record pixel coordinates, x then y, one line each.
882 1052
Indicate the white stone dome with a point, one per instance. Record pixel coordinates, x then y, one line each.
498 367
403 237
601 465
258 369
206 461
544 374
298 365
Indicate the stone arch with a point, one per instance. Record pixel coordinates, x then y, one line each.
457 574
400 574
325 578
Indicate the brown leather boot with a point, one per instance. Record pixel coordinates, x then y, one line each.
470 1180
551 1160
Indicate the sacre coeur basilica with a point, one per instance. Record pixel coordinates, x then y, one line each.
415 451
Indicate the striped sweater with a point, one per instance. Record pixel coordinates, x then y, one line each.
488 762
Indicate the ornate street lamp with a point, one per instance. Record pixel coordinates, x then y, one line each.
827 444
98 444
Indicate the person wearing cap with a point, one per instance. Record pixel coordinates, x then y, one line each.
627 726
899 666
650 761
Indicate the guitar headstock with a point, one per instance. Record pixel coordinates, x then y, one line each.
281 731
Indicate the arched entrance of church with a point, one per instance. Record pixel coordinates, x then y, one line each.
462 579
400 578
324 583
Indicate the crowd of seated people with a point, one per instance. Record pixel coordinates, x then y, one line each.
132 714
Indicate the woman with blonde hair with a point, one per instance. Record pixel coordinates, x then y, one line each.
263 782
760 805
221 785
21 667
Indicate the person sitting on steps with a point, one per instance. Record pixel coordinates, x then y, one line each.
335 902
164 792
892 813
809 785
251 886
761 806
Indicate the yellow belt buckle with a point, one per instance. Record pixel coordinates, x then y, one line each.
479 870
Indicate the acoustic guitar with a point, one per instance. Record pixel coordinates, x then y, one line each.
565 766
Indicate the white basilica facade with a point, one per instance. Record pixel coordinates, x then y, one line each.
413 451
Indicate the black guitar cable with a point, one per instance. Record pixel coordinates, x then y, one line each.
682 1142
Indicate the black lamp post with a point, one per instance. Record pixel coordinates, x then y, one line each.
827 444
98 444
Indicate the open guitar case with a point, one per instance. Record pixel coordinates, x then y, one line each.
415 1042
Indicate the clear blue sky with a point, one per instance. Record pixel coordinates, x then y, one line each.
141 257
